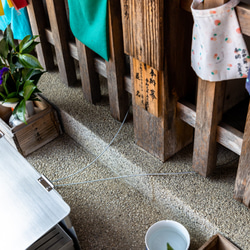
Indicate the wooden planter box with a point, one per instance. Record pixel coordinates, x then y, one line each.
40 129
218 242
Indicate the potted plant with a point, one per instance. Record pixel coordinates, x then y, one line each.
20 72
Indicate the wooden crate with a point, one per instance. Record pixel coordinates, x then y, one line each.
218 242
40 129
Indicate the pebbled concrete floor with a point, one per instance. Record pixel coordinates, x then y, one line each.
116 214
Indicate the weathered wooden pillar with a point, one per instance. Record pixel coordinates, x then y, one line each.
209 110
60 31
160 72
115 67
38 24
89 76
242 184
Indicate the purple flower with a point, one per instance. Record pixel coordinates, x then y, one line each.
2 72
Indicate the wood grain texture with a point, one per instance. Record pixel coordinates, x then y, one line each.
115 67
165 135
186 112
146 87
143 30
227 136
89 77
60 31
209 110
230 138
100 65
242 183
38 24
42 128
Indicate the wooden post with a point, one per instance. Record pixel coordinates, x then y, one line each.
118 97
165 135
60 31
37 19
209 110
89 76
158 130
143 24
242 184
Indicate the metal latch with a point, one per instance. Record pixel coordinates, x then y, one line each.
45 183
1 134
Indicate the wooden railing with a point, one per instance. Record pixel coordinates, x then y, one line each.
49 19
170 127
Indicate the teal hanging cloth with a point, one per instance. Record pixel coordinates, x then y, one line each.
18 19
89 24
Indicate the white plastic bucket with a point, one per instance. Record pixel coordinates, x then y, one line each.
167 231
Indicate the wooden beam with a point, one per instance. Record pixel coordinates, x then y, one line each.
209 110
89 77
38 24
100 65
60 32
115 67
143 31
242 184
227 136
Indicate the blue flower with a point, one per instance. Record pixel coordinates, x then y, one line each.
2 72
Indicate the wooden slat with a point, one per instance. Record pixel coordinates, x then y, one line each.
37 19
227 136
115 67
100 65
89 77
37 134
186 112
242 184
60 33
143 30
230 138
146 87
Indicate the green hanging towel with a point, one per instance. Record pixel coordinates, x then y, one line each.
89 24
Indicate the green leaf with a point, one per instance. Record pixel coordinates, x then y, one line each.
12 95
20 111
9 37
169 247
29 61
28 89
4 84
11 99
28 45
2 95
4 49
30 48
24 43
